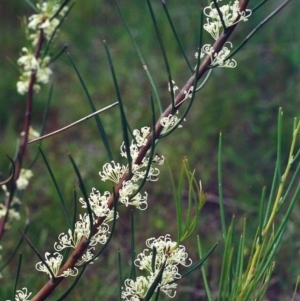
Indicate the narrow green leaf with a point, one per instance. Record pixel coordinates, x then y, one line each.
176 35
240 259
164 53
155 283
122 111
85 195
220 15
75 209
97 118
296 289
34 8
207 289
271 196
259 26
279 136
261 214
63 4
220 186
153 259
56 187
226 265
38 254
157 294
177 199
14 250
258 5
291 186
17 276
57 56
141 58
49 44
198 263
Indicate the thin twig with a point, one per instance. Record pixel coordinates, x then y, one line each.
74 123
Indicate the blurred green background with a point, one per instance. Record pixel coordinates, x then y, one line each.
242 103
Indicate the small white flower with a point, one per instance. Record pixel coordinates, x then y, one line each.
141 136
23 84
112 171
101 235
24 177
44 20
22 295
169 122
126 191
87 256
28 61
67 241
139 171
160 160
53 260
69 272
220 59
82 227
135 290
97 202
139 201
43 75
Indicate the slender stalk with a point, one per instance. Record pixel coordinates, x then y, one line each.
23 144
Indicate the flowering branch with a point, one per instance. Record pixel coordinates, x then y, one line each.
138 158
33 70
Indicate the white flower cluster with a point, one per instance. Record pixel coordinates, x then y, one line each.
54 262
29 65
44 20
99 205
114 171
167 254
28 62
231 15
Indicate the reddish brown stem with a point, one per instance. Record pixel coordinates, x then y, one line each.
24 139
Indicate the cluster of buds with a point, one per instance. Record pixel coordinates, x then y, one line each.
35 70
